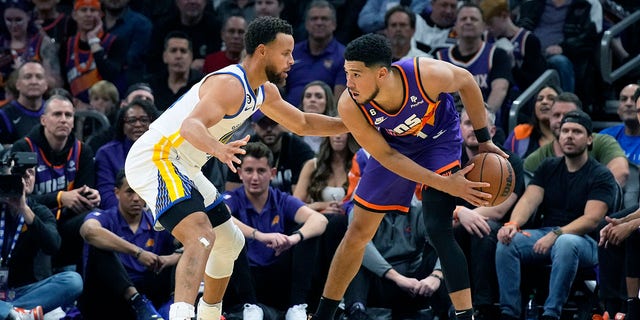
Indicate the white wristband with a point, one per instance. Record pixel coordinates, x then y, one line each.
93 41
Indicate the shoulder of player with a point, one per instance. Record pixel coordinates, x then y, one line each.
225 87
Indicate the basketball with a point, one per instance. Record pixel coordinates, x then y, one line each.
497 171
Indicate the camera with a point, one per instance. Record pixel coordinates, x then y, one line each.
13 167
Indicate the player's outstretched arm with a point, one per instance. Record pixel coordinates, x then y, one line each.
371 140
298 122
219 95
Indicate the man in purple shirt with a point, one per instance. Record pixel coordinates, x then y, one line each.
276 225
125 259
320 57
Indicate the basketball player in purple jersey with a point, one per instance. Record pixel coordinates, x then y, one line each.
404 116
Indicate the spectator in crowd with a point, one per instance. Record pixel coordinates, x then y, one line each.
628 133
605 149
528 137
268 8
20 41
489 65
91 54
280 232
155 10
245 8
320 57
346 13
64 175
617 244
317 97
104 99
57 23
289 151
522 45
371 18
126 260
232 35
434 29
622 234
134 30
323 180
571 194
9 84
133 120
198 24
140 90
20 115
29 228
476 228
178 75
568 33
400 26
399 271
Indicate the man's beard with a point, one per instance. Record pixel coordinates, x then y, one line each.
576 153
273 76
372 96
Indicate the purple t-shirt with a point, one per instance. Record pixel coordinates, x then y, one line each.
158 242
278 215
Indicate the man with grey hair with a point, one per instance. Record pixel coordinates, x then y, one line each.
65 176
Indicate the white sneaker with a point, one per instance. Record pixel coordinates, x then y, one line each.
297 312
252 312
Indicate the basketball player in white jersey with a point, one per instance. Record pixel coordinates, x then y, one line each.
163 166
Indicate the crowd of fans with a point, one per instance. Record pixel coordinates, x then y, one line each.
81 80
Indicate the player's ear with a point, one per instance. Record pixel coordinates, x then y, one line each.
382 72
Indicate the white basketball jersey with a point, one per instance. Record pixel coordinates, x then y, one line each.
169 123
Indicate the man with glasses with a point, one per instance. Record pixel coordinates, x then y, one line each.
64 176
628 133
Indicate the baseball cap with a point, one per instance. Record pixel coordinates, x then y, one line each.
580 117
257 116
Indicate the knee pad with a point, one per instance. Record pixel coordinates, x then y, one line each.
226 248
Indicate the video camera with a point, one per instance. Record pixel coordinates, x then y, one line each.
12 168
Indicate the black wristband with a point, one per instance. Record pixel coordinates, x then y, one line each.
436 276
482 134
300 234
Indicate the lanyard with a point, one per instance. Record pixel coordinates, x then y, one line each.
3 260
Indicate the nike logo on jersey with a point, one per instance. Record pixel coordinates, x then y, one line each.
379 120
437 135
16 120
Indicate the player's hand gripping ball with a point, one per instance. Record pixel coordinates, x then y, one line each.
497 171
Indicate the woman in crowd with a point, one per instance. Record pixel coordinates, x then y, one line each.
528 137
132 121
317 97
323 180
22 41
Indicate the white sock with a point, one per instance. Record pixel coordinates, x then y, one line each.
181 311
209 311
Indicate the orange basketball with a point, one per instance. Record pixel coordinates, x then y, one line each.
497 171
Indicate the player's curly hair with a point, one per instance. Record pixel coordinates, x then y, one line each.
371 49
263 30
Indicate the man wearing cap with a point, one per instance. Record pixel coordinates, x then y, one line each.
570 196
91 54
289 151
605 149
